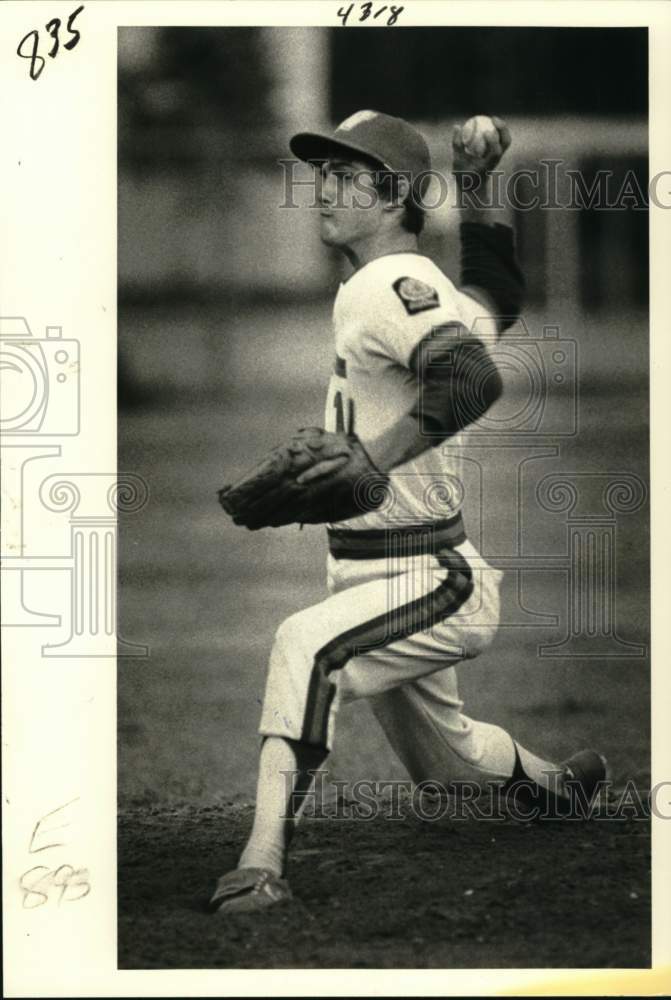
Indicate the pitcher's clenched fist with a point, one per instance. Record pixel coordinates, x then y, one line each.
479 144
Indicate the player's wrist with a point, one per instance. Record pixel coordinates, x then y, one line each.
478 198
398 444
468 178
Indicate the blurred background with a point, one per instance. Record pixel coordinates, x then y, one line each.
225 347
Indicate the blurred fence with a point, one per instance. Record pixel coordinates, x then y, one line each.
204 119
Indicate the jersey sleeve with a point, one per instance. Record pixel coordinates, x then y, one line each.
401 310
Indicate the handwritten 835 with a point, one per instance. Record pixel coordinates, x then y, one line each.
29 44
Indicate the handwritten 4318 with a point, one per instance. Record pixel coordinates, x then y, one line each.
366 10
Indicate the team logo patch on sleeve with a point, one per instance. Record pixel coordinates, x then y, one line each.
415 295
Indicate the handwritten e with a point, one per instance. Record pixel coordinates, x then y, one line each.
45 833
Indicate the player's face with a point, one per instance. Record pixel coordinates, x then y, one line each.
350 207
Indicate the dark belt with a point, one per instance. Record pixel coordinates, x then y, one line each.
397 540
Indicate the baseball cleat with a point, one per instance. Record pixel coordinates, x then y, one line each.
572 788
586 768
581 775
246 890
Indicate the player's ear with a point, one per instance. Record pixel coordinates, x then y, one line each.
396 190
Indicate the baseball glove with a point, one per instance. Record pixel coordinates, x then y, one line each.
317 476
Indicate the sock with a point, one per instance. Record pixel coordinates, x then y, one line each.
280 799
531 768
546 778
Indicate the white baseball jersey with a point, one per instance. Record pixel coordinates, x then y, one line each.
368 639
380 315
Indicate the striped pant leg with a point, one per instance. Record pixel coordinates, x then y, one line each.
429 733
423 720
363 640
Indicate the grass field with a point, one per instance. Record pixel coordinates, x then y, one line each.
207 598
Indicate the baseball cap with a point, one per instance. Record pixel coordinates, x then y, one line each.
391 142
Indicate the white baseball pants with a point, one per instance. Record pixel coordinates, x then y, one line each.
391 630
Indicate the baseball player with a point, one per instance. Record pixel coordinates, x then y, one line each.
408 594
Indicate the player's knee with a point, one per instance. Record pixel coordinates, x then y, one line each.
484 611
482 637
286 633
291 638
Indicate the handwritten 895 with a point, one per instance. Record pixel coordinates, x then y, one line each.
70 884
29 44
